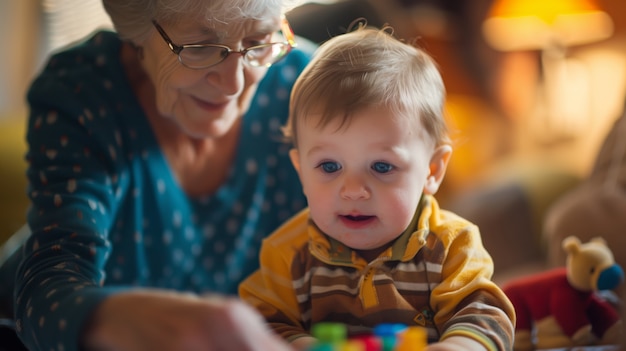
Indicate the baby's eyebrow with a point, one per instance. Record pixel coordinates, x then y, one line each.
314 149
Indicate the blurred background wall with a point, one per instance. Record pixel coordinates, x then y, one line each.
34 28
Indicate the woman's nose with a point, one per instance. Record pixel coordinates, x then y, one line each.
228 75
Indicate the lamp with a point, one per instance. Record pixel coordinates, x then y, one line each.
551 26
543 24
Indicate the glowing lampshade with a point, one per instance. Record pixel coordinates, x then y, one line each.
539 24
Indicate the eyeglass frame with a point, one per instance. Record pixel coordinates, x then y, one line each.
285 28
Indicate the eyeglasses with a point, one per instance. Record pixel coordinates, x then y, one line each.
200 56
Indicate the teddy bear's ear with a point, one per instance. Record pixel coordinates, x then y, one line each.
598 240
571 244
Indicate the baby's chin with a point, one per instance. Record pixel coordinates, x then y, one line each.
356 243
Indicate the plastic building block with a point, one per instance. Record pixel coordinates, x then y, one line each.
384 337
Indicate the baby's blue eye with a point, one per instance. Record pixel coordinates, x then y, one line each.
330 167
382 167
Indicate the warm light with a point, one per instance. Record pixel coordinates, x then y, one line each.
538 24
546 10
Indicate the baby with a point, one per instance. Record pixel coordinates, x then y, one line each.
371 149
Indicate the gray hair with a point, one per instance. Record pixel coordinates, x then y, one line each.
132 18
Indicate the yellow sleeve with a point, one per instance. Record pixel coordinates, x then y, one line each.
271 288
467 301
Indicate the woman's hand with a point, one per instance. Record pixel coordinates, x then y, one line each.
303 343
148 320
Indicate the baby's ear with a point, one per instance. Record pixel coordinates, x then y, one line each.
437 166
294 155
295 159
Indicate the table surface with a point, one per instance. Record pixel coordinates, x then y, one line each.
587 348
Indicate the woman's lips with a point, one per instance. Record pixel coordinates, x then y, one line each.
210 106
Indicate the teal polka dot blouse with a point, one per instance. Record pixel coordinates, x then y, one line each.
107 214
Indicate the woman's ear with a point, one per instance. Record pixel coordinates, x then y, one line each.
437 167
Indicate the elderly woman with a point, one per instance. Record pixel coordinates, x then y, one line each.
156 167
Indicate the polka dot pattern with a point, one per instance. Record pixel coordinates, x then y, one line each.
107 213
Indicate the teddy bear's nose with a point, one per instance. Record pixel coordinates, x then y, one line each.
610 277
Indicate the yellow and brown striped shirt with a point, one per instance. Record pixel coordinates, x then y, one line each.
437 274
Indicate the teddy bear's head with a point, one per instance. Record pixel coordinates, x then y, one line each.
591 266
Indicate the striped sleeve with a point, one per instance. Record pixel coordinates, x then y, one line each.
271 288
467 301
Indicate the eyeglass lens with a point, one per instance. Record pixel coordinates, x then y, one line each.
204 56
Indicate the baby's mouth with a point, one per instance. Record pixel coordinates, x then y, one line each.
358 218
357 222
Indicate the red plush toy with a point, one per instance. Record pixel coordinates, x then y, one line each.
561 307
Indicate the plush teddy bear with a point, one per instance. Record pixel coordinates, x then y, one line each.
561 308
